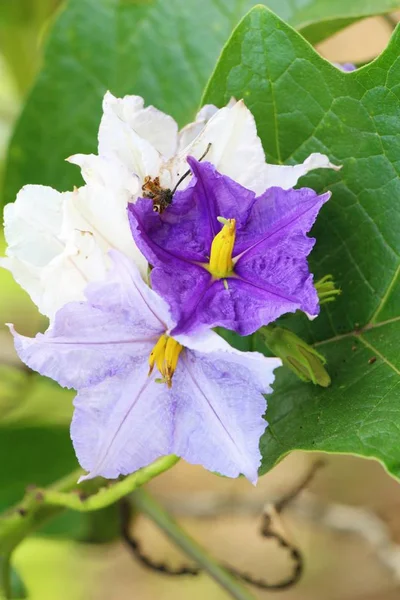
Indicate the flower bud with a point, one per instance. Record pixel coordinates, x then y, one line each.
326 289
297 355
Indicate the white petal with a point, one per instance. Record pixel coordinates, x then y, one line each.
192 130
57 243
236 149
102 213
287 177
156 127
108 172
151 124
32 230
189 133
139 137
310 317
27 276
32 224
66 276
119 141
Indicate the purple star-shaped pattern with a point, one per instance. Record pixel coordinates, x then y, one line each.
271 275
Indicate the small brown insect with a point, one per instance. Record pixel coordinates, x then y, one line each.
372 360
162 197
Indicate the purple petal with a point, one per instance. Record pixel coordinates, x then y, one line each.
276 261
236 305
218 415
278 214
271 274
223 196
180 282
186 229
211 416
182 230
90 341
346 67
122 424
185 287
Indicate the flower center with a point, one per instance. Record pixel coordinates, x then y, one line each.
165 356
221 264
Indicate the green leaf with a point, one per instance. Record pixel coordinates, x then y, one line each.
21 24
302 104
161 50
35 414
319 19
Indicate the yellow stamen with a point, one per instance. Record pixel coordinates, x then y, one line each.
165 355
221 264
157 354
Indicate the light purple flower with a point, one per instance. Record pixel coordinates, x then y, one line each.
124 419
269 275
346 67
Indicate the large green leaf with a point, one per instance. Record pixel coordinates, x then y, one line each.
302 104
161 50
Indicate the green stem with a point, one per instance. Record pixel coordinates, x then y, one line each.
40 505
115 492
148 506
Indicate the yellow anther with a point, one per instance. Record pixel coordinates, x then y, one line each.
172 352
165 355
221 264
157 354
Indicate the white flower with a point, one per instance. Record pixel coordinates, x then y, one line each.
57 242
148 143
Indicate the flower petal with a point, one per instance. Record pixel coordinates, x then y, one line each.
235 151
107 172
187 228
212 415
137 136
219 408
286 177
182 230
64 279
57 243
190 132
102 212
124 289
33 226
233 304
179 282
274 261
271 274
122 424
92 340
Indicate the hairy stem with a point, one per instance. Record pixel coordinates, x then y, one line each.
40 505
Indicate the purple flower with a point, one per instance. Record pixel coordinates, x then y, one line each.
224 257
200 399
346 67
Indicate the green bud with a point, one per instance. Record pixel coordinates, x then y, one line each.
326 289
299 357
